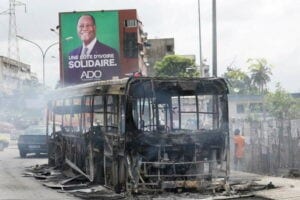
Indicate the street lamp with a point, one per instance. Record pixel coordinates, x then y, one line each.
55 31
44 52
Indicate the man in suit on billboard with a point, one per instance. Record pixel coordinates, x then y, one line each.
86 30
92 54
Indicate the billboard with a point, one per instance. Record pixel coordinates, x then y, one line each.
89 46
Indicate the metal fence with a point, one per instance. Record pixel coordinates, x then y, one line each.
270 145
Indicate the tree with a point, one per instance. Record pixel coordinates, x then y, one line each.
281 105
174 65
260 73
239 81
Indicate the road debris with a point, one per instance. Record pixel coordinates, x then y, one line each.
79 185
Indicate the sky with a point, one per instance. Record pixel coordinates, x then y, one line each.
245 29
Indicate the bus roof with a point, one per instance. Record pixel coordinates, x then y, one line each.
174 85
210 85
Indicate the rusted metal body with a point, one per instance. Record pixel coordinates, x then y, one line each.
142 134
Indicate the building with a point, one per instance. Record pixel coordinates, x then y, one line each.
133 48
248 107
241 106
14 75
157 50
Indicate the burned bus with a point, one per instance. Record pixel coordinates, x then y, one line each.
141 133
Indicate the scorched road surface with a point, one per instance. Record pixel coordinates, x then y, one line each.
13 186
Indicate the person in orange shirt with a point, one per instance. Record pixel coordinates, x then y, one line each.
239 149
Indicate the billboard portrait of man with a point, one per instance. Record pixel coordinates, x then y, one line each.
87 58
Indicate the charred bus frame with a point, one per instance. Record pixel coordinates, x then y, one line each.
142 134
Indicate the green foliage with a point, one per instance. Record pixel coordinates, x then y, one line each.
240 82
176 66
253 82
260 73
281 105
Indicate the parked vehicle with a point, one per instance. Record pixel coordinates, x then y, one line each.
33 140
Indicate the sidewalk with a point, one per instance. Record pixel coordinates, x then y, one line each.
286 188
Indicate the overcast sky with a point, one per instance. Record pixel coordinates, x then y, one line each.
245 28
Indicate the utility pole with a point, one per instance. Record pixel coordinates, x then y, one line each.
200 41
13 46
214 38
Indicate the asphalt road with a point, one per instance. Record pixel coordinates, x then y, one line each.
13 186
